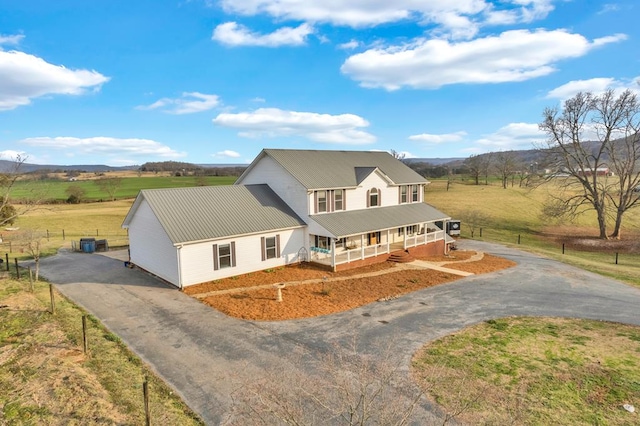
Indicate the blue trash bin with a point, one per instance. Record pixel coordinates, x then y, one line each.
88 246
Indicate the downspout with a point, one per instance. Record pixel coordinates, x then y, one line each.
179 267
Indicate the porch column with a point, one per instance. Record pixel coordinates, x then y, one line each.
404 238
333 253
387 241
362 246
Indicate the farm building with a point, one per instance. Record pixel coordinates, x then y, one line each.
341 209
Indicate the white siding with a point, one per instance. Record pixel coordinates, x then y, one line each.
357 198
290 190
150 246
197 259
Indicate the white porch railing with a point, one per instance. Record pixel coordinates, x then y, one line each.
421 239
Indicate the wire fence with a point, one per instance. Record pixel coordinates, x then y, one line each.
17 241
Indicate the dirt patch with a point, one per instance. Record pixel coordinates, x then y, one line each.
338 293
586 239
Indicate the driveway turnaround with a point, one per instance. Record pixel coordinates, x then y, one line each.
205 355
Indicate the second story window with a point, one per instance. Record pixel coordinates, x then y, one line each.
338 197
414 193
374 197
404 196
322 201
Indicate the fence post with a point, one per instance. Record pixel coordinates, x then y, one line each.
53 301
518 238
562 248
7 256
47 235
145 394
17 269
96 232
480 232
84 334
63 235
616 258
10 247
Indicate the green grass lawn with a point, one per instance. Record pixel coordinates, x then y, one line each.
56 189
515 211
535 371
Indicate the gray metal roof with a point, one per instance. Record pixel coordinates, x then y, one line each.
354 222
210 212
318 169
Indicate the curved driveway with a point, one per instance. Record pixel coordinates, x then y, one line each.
204 354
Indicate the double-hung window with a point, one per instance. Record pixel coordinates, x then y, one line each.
224 256
404 197
322 201
414 193
270 247
338 199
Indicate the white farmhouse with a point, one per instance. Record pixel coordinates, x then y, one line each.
342 209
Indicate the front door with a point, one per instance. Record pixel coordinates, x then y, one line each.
373 238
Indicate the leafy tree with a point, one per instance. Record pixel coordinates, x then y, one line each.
110 185
75 194
614 121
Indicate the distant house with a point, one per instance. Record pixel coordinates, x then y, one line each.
341 209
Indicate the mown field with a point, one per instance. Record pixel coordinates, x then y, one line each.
515 214
56 190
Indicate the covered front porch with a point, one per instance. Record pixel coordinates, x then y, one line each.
406 227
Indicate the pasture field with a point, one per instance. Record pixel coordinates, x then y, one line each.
535 371
47 378
56 189
515 211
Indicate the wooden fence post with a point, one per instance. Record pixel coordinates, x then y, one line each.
85 344
17 269
616 258
562 248
63 235
145 393
518 238
53 301
7 256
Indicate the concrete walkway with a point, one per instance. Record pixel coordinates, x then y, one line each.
415 264
205 355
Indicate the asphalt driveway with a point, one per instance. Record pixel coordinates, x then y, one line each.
203 354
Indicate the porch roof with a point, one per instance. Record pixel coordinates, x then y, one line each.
353 222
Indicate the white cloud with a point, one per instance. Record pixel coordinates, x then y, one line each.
227 153
456 18
349 45
12 155
593 85
432 63
274 122
436 139
24 77
513 136
105 146
11 39
234 34
189 103
259 100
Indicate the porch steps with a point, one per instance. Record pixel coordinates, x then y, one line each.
400 257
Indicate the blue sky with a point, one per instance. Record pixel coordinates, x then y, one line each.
215 81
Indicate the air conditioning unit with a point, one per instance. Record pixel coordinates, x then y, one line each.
453 227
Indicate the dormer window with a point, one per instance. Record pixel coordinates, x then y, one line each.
374 197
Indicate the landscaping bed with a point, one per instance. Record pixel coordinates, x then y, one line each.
340 292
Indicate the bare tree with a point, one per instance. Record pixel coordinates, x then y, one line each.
473 219
506 165
110 185
614 120
479 166
33 240
10 211
350 389
397 155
